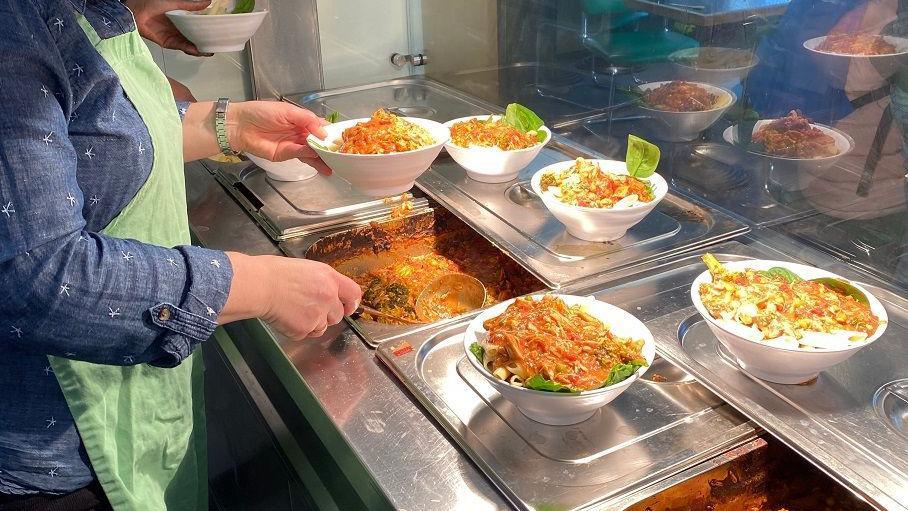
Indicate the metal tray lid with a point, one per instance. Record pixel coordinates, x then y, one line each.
850 421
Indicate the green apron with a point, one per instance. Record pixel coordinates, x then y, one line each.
144 426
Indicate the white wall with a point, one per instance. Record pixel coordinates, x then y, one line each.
357 38
209 78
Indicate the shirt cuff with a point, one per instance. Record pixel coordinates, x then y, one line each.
182 106
194 319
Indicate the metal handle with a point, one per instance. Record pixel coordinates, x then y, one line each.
416 59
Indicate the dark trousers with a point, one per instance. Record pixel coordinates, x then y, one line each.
90 498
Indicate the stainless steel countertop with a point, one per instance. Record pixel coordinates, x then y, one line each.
413 463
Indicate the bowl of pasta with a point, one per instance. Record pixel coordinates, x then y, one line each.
381 155
682 110
490 149
597 200
558 358
786 322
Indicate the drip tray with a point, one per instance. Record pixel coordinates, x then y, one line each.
891 404
652 430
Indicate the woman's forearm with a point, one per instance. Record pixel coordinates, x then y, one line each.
199 139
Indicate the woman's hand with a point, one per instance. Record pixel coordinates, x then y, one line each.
155 26
274 130
297 297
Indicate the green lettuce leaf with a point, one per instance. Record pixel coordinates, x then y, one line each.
523 119
846 288
332 117
243 6
478 351
785 273
537 382
621 372
642 157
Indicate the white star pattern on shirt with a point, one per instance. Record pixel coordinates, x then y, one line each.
105 21
127 255
90 152
47 138
215 263
58 24
52 472
71 199
48 371
128 359
94 200
210 311
83 237
171 261
113 313
50 422
7 209
64 288
141 149
44 90
78 70
69 354
183 111
17 332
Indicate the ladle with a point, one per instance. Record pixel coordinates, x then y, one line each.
455 292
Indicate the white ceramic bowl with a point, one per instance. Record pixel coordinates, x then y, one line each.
773 363
728 78
686 126
380 175
863 72
597 224
793 174
491 164
559 408
217 33
289 170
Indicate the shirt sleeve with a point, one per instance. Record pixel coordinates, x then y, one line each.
182 107
67 291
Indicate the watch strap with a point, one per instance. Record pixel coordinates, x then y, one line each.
220 126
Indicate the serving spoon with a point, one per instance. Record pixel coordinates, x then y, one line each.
458 292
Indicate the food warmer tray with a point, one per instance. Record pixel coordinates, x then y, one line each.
510 214
286 210
850 422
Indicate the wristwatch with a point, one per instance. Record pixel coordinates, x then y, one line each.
220 126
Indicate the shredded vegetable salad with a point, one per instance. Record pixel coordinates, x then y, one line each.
491 132
793 136
585 184
384 133
778 304
547 344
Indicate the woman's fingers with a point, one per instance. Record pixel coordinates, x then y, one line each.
306 121
349 293
188 5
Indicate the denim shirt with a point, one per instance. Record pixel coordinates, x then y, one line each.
73 153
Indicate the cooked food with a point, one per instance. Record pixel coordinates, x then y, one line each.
678 96
404 264
224 7
793 136
547 344
718 58
491 132
585 184
778 306
384 133
856 44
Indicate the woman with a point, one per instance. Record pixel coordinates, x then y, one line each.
100 318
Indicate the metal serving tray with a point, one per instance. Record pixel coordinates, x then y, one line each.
850 421
510 214
289 209
653 430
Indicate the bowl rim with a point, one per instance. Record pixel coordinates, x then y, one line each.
648 339
352 122
538 145
660 186
729 94
822 127
816 41
183 13
701 309
675 57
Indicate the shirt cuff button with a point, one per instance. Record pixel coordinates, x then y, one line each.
164 315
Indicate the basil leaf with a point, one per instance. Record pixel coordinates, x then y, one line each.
332 117
846 288
785 273
478 351
243 6
621 372
642 157
522 118
537 382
